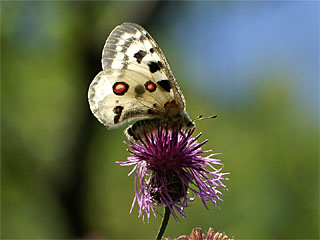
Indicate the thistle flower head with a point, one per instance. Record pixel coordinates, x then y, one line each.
197 234
171 171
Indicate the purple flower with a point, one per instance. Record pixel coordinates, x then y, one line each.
171 171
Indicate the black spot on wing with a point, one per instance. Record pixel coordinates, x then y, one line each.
165 85
151 50
116 119
140 55
155 66
142 38
117 110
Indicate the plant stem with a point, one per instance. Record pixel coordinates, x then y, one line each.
164 223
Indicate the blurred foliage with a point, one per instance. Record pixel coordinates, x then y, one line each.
269 143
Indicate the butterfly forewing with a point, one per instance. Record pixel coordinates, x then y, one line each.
130 46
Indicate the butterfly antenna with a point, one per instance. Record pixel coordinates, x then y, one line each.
200 117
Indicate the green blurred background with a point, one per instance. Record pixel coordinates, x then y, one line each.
254 64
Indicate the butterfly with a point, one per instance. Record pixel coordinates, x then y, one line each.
136 84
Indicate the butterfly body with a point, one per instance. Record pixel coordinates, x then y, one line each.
136 84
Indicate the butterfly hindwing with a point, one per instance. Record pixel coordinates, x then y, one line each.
118 96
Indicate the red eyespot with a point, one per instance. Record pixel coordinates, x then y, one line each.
150 86
117 110
173 104
120 88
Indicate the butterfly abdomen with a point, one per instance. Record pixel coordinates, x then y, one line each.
139 128
145 126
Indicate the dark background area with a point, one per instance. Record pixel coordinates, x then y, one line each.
254 64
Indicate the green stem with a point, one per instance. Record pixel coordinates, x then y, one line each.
164 223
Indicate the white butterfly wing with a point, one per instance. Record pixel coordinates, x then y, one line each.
136 81
130 103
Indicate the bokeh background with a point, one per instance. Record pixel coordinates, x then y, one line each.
254 64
